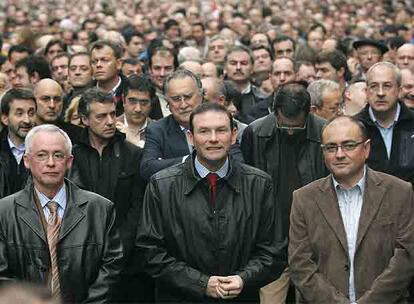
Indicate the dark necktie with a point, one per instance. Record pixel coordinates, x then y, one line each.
212 182
53 227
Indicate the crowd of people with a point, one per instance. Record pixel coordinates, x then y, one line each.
206 151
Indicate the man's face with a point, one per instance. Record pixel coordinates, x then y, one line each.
90 27
315 40
16 56
217 51
60 69
135 46
137 106
405 57
162 66
80 71
368 55
282 72
325 70
346 166
407 88
209 70
331 104
198 33
239 66
21 118
262 61
306 73
173 32
129 69
83 38
284 49
21 78
53 51
212 138
260 39
105 65
382 90
48 160
49 102
101 120
183 97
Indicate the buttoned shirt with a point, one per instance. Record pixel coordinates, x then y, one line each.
135 136
18 151
60 199
350 204
386 132
203 171
113 91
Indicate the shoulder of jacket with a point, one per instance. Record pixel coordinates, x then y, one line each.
168 173
248 171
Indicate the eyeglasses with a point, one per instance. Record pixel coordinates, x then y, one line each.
347 146
43 156
50 98
141 102
179 98
290 130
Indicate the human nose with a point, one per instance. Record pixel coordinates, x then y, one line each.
238 66
282 77
213 136
162 72
26 118
110 119
339 152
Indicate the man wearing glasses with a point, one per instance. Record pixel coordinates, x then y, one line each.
286 145
351 237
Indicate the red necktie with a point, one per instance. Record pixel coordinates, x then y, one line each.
212 182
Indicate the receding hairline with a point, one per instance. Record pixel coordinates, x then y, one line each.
339 120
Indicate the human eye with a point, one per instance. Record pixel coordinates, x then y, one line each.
330 148
41 156
349 146
73 67
59 156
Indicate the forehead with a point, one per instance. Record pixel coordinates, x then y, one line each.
81 59
22 103
381 74
138 94
54 47
406 50
103 51
218 42
282 64
164 58
315 34
283 44
102 107
259 37
48 89
49 141
181 85
260 52
211 119
367 48
60 60
239 55
325 64
341 130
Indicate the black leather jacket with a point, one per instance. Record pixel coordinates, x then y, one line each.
183 240
89 248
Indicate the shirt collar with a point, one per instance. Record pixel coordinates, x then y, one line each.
140 129
60 197
203 171
113 91
247 89
360 184
396 117
20 148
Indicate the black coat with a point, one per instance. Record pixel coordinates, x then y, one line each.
401 162
244 103
183 240
89 248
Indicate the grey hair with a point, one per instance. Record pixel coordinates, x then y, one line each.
189 53
47 128
389 65
181 73
318 88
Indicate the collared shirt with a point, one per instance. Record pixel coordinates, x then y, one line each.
18 151
350 204
185 130
163 103
137 137
387 132
203 171
247 89
113 91
60 199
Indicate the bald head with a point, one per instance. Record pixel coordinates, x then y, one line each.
193 66
405 56
49 101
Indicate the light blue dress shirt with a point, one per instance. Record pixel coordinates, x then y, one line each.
203 171
18 151
350 204
60 199
386 133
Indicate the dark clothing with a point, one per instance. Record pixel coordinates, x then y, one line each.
74 132
183 239
166 145
156 112
260 109
89 248
245 102
119 95
115 176
261 144
401 162
16 174
75 92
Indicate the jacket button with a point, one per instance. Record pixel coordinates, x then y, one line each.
346 267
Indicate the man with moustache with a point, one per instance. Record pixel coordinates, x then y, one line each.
407 88
18 113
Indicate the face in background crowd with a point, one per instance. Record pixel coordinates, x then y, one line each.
162 66
80 71
49 101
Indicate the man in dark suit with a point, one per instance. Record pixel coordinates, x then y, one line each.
351 233
55 234
166 141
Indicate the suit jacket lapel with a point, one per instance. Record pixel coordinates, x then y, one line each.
73 213
372 201
177 137
328 204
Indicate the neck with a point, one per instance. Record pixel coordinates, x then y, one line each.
49 192
212 166
16 139
385 119
108 85
350 182
135 126
240 86
97 143
185 125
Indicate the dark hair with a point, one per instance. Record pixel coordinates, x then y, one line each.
207 107
36 64
18 49
298 64
336 59
262 47
78 54
90 96
100 44
360 124
169 24
87 21
11 95
60 55
54 42
129 34
199 24
157 46
395 42
230 92
133 61
140 83
284 38
315 26
292 98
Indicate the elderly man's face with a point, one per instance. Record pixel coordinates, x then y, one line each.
368 55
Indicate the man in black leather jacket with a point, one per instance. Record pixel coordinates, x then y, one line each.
197 248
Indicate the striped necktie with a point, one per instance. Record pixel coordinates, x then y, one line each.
53 227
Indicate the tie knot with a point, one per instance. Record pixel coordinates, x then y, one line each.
212 179
52 206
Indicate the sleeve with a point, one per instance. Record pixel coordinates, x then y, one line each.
4 265
111 263
152 251
153 157
392 283
311 284
246 145
266 262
